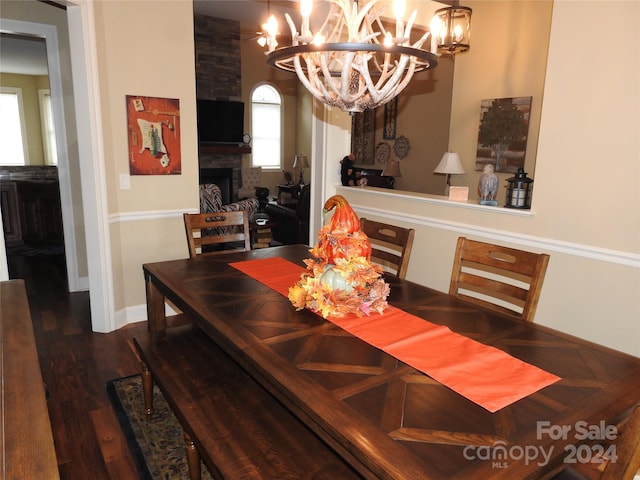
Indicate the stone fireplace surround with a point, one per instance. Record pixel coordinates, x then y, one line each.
218 77
225 171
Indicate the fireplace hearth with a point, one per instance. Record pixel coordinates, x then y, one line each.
225 171
223 178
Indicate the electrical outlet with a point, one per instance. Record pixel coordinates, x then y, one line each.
125 181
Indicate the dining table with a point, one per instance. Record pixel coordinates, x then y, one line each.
387 418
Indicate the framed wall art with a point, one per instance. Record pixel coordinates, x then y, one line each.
153 130
363 136
502 135
390 114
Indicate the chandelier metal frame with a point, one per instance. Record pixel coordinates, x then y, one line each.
360 65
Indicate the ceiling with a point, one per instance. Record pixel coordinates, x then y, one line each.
248 11
23 54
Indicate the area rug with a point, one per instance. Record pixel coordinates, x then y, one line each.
157 445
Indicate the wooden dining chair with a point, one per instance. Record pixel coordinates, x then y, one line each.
390 245
625 465
497 277
217 229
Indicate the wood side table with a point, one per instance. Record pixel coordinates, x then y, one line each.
261 235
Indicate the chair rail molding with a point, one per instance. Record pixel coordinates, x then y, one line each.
142 216
546 244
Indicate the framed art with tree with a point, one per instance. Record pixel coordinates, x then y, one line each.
502 136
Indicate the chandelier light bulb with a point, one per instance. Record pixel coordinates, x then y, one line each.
388 40
399 8
305 11
457 34
306 7
271 27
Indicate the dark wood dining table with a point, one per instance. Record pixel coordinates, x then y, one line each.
386 419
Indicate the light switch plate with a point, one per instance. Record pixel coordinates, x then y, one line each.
125 181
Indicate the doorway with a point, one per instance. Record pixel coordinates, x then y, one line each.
29 183
79 19
37 208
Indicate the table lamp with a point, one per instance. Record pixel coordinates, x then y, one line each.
392 169
301 162
449 165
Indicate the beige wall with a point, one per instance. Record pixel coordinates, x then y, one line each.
150 52
423 116
509 61
440 110
586 205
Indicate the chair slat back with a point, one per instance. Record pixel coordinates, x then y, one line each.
620 459
501 278
627 463
390 245
217 228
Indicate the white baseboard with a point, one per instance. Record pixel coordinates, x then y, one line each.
137 313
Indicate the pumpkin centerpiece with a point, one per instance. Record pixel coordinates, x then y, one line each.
340 279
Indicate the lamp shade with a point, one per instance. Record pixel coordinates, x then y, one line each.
450 164
392 169
301 161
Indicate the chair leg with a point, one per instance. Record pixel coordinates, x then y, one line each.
147 391
193 458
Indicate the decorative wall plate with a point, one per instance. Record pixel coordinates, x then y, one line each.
383 152
401 146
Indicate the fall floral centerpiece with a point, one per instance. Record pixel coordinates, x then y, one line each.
340 279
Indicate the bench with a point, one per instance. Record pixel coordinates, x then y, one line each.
25 430
233 424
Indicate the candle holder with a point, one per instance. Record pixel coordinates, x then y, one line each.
519 190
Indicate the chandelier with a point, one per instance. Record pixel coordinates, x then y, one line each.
353 62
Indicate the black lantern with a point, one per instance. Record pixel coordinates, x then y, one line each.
519 190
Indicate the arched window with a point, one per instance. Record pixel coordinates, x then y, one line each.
266 127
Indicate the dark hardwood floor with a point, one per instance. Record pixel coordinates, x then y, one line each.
76 364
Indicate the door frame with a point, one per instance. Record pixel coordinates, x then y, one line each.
86 90
50 35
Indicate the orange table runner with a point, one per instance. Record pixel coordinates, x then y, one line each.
483 374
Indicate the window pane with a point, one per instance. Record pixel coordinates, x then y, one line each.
266 127
48 131
11 144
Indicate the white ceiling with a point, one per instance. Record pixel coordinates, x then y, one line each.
22 54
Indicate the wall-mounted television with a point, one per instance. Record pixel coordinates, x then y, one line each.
220 121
